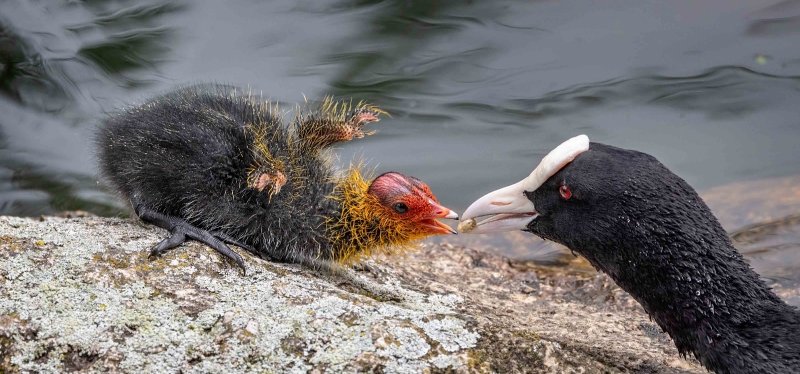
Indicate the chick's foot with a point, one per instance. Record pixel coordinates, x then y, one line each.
181 230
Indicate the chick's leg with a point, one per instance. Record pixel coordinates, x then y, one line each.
174 240
349 275
180 230
227 239
362 267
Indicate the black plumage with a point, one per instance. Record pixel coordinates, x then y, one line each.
645 227
215 164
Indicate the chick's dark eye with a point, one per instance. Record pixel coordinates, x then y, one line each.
400 207
565 192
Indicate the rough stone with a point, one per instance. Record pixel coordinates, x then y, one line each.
80 294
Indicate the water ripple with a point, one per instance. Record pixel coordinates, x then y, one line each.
722 92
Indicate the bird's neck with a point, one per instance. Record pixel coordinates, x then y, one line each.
362 227
689 278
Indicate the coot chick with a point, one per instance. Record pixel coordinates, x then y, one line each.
645 227
216 164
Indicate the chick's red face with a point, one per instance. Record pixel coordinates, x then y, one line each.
409 200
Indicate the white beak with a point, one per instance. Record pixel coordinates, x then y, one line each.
509 207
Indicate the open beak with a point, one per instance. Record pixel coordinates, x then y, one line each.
431 223
509 208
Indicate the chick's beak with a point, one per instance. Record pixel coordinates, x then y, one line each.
431 223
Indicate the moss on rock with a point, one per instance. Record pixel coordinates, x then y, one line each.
80 294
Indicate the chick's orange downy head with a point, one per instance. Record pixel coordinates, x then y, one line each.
387 215
410 204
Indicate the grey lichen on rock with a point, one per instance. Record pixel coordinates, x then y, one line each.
81 295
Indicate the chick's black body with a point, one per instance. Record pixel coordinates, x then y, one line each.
648 229
210 163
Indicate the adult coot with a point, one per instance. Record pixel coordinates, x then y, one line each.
648 230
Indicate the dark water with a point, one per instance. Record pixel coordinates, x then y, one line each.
478 90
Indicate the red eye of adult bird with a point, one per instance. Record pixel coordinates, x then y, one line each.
565 192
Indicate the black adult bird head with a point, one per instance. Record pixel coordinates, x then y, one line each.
550 189
580 193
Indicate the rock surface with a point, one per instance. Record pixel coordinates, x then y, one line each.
79 294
